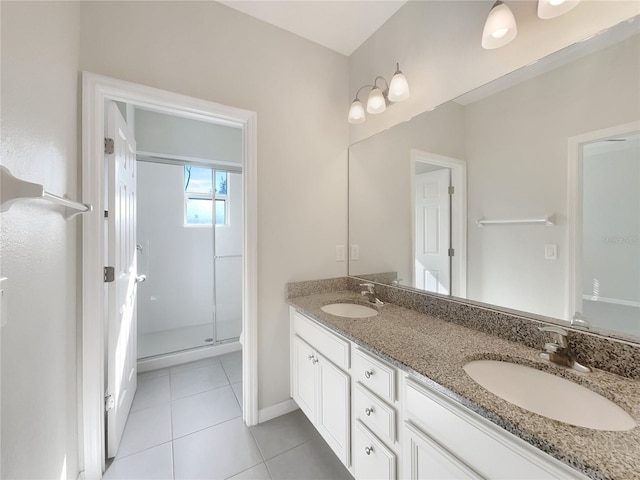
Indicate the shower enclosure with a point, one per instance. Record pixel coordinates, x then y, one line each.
189 240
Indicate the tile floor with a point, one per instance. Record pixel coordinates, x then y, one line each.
186 423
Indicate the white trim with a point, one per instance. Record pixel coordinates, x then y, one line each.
574 206
458 222
277 410
177 358
95 90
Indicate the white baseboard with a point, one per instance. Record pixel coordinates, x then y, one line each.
172 359
276 410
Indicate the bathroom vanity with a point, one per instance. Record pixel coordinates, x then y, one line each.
390 396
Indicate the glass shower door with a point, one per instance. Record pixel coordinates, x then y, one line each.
228 257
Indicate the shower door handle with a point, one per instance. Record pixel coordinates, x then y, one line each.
141 278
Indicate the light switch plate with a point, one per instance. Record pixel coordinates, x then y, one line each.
339 253
355 252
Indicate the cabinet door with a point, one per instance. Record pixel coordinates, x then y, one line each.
303 379
424 459
372 460
333 415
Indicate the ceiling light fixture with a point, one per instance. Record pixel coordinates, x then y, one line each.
396 91
554 8
500 27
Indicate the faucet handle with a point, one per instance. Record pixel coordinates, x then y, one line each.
560 336
369 286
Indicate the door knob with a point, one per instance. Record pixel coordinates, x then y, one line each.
141 278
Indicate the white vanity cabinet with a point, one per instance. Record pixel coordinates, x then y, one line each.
318 384
443 439
375 446
387 425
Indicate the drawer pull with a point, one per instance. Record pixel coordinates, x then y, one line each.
368 373
368 450
368 411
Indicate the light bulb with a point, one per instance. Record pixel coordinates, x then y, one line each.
376 102
554 8
500 27
399 87
500 33
356 112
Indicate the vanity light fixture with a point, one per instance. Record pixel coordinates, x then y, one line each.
500 27
396 91
554 8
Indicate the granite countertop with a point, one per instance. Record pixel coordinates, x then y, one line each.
435 351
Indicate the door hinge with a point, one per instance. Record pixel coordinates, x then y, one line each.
452 189
109 274
452 252
109 403
109 146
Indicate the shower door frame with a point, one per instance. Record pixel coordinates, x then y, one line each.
96 89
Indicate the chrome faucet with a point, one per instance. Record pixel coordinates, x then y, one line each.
558 351
370 293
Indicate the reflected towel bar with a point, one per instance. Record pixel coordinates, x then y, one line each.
547 221
13 190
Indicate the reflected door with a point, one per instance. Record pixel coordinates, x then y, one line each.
432 263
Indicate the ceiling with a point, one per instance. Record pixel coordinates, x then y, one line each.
341 25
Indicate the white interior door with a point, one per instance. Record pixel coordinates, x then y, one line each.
433 231
121 292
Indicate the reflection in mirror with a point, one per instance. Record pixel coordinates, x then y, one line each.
479 198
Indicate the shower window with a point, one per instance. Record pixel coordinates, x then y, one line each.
203 202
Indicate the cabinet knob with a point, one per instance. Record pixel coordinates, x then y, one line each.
314 361
368 411
368 450
368 373
310 357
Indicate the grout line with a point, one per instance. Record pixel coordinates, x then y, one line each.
242 471
116 458
204 391
208 426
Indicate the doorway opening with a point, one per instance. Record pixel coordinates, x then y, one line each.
97 92
604 213
439 229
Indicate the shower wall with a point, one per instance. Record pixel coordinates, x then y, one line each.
177 260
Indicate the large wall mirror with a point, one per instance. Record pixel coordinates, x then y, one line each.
522 194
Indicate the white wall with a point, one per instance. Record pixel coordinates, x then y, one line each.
40 49
438 46
161 133
298 89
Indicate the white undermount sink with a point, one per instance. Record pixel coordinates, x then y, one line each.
549 395
349 310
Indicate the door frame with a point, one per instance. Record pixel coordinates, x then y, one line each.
574 208
96 89
458 220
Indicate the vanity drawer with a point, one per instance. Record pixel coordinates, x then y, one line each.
372 460
328 344
379 417
484 447
375 375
